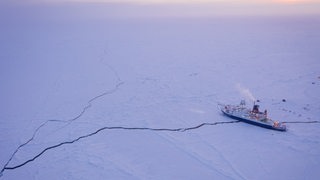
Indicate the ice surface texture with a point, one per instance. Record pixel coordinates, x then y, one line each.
147 86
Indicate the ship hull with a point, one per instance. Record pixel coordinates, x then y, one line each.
254 122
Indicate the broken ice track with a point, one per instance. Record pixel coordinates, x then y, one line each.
7 167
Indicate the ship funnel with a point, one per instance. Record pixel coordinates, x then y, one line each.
255 108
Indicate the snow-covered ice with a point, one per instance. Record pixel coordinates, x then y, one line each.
65 75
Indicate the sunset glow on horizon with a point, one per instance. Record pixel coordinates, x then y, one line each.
198 1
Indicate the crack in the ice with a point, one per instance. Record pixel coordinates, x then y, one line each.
103 61
89 104
111 128
69 121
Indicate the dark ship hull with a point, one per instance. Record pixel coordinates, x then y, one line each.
248 116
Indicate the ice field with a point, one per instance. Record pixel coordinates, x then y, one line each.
87 97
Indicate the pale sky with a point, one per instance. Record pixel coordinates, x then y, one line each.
196 7
179 1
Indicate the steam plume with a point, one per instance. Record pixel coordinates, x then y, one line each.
245 92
